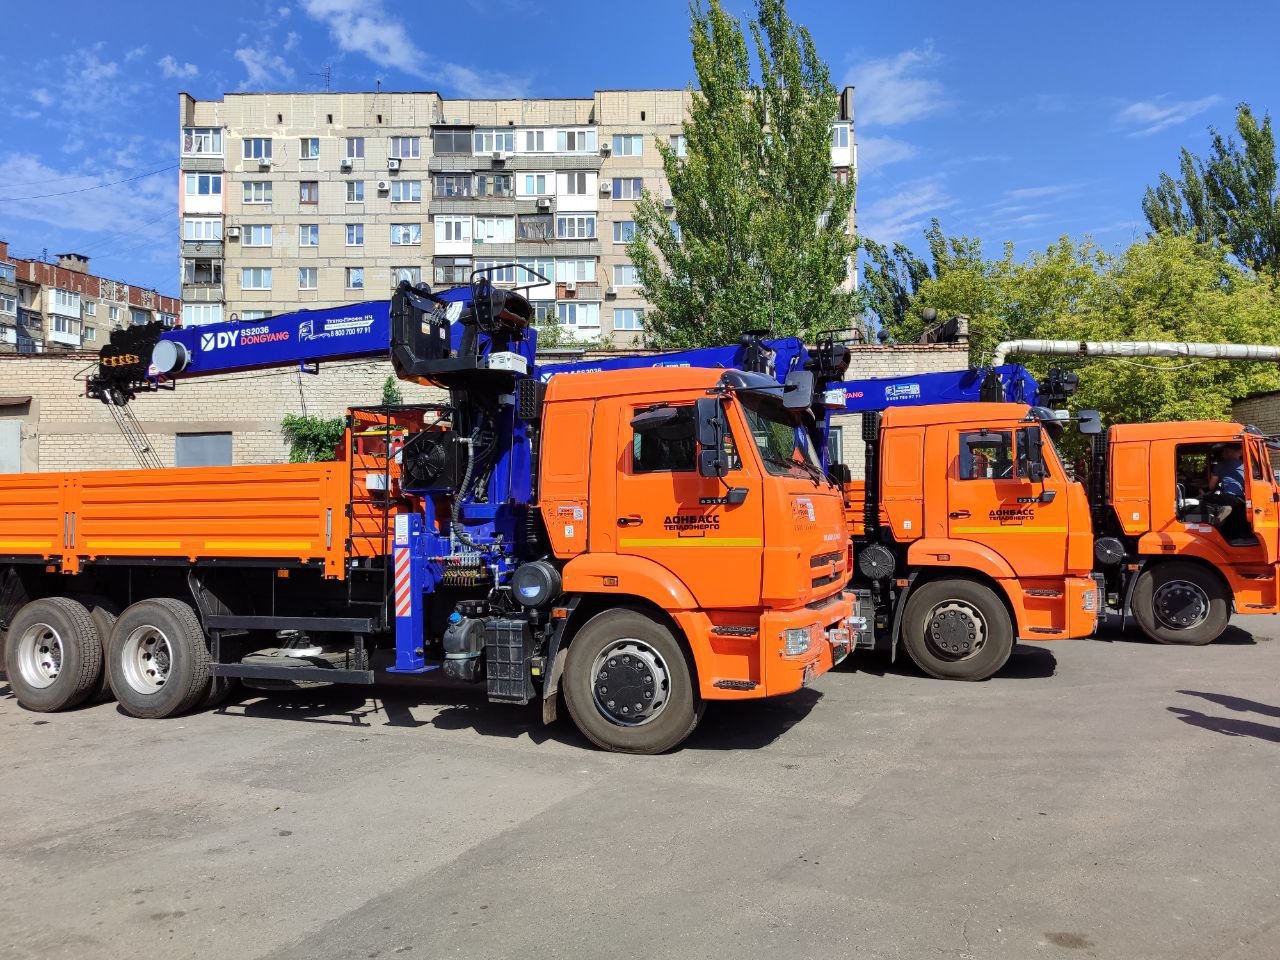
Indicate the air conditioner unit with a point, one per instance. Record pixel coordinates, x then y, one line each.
346 163
571 287
500 156
544 203
611 292
384 186
264 163
668 204
606 187
606 148
233 233
393 164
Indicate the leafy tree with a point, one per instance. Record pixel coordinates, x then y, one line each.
312 439
391 394
1231 197
763 235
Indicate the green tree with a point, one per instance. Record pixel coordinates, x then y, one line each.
312 439
1231 197
763 236
391 394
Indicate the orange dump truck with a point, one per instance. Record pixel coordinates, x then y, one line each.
1175 560
677 547
967 535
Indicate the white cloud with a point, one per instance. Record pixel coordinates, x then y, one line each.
172 69
875 153
365 27
1145 117
109 210
263 68
42 96
134 54
1035 193
902 215
895 90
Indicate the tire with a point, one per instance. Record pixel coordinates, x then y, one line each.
651 660
157 659
956 614
1181 603
53 657
104 613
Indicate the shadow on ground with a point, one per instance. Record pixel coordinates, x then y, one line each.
1030 661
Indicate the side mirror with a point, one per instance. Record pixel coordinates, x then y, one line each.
1035 454
651 420
708 415
797 392
1089 422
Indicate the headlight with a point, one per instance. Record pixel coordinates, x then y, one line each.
1091 600
797 640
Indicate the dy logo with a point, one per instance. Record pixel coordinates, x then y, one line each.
217 341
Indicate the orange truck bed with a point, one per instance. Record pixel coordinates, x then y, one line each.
295 512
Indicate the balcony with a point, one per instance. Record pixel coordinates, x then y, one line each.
65 339
204 249
455 163
202 293
482 205
204 164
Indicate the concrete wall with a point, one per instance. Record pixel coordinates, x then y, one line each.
61 430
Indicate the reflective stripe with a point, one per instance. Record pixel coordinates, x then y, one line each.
258 545
1009 529
694 542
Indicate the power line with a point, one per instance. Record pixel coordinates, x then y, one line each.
71 176
97 186
120 233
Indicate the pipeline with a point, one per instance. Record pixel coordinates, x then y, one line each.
1138 348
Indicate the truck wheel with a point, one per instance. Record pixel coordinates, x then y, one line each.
1179 602
157 659
104 613
53 657
628 685
957 630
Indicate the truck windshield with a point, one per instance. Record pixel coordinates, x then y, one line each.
781 437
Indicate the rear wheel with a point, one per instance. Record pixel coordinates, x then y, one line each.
1181 603
53 657
104 613
628 685
957 630
157 659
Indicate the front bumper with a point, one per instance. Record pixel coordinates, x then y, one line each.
832 637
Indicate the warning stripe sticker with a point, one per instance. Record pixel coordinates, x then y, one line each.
403 606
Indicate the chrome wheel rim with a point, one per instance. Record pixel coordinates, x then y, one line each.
1180 605
145 659
39 655
955 631
630 683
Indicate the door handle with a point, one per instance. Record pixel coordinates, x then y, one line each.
630 521
958 514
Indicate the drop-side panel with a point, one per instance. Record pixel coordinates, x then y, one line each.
31 516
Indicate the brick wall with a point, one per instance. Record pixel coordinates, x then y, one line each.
61 430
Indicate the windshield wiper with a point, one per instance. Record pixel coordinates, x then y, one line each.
788 462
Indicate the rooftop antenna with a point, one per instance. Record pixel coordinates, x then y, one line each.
377 85
325 72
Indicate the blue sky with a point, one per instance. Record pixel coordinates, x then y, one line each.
1008 121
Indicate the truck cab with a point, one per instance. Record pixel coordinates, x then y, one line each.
969 535
1180 554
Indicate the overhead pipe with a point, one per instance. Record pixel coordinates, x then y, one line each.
1136 348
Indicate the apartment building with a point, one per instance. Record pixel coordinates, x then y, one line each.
296 200
62 306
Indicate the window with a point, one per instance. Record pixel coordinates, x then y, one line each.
257 191
543 311
575 141
680 144
406 191
498 271
627 188
308 191
840 136
986 454
90 308
255 278
256 235
65 302
193 271
404 148
495 184
355 191
451 270
676 232
628 318
169 319
308 278
577 227
533 269
355 278
202 450
578 313
535 184
202 140
495 230
355 148
65 325
355 234
628 144
670 450
452 185
139 317
308 234
113 314
199 229
535 141
534 227
453 229
451 141
574 183
624 231
406 234
254 315
487 141
203 184
8 272
579 270
412 274
90 334
309 149
257 148
784 449
198 314
624 275
8 304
